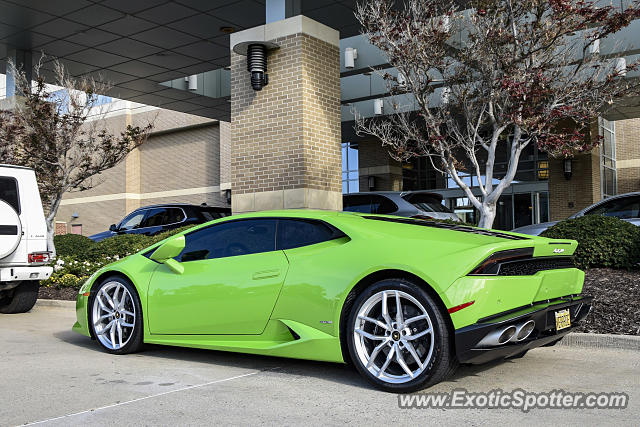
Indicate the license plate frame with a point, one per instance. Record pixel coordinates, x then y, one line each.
563 319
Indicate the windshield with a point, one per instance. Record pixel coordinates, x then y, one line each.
426 203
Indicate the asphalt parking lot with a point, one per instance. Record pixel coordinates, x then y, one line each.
51 375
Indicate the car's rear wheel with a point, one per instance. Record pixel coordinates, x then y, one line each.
398 337
115 316
23 298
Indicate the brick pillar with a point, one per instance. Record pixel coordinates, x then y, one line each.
374 160
567 197
286 138
628 155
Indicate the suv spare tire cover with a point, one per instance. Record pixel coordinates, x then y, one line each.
10 229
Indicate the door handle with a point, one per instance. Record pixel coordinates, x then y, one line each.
266 274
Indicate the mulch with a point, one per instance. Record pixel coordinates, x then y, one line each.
615 307
615 304
67 294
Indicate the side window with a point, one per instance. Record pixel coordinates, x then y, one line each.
132 221
174 215
357 203
155 218
382 205
228 239
294 233
9 192
625 208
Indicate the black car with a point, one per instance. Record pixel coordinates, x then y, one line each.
150 220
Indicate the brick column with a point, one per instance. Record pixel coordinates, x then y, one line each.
374 160
286 138
567 197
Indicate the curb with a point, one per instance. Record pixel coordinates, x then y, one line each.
55 303
620 342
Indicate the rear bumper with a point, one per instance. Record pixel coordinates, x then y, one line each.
8 274
468 338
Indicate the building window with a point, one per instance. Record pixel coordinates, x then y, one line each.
609 184
543 170
350 176
76 229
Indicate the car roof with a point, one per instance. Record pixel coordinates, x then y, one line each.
396 193
178 205
284 213
3 165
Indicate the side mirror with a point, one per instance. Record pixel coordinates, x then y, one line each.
113 228
169 250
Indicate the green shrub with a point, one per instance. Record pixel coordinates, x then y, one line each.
79 257
120 246
602 241
126 244
72 244
162 236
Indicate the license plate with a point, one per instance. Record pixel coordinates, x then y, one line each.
563 319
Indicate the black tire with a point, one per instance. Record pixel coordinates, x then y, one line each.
443 361
23 299
136 340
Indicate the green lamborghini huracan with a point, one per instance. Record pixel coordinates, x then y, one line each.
404 300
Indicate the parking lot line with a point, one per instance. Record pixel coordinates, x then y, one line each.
145 398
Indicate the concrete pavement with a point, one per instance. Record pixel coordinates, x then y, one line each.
50 374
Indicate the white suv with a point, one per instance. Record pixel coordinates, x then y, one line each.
23 240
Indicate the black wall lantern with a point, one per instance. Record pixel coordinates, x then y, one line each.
256 53
567 166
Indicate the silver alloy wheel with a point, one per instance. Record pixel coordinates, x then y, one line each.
393 336
114 315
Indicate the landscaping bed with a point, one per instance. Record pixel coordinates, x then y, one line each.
50 292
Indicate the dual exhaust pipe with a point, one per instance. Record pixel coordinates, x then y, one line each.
512 333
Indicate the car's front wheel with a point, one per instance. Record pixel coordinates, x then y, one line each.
398 337
115 316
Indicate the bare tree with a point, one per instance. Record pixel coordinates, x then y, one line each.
493 79
58 128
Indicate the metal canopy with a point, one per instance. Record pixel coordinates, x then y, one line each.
138 44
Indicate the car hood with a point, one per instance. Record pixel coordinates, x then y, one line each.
101 236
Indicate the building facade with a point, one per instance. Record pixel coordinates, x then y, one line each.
280 146
541 191
186 159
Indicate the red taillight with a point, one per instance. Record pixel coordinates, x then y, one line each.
460 307
39 257
491 265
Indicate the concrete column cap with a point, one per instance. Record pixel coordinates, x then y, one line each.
299 24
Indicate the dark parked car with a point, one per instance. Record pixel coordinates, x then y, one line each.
624 206
412 204
150 220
